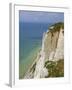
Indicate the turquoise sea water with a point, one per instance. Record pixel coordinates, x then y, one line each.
30 40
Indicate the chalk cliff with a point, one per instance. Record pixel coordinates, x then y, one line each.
54 44
52 53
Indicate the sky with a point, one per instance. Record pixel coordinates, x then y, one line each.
40 16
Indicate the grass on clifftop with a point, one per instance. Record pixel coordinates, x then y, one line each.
55 68
56 27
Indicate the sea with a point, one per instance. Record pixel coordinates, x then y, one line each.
30 42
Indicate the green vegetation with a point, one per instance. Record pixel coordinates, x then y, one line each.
56 27
55 68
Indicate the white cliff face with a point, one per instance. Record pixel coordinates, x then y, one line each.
51 55
56 53
50 44
59 53
41 71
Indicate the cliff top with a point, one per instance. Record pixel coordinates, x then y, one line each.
56 27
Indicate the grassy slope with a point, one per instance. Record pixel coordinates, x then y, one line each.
55 68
